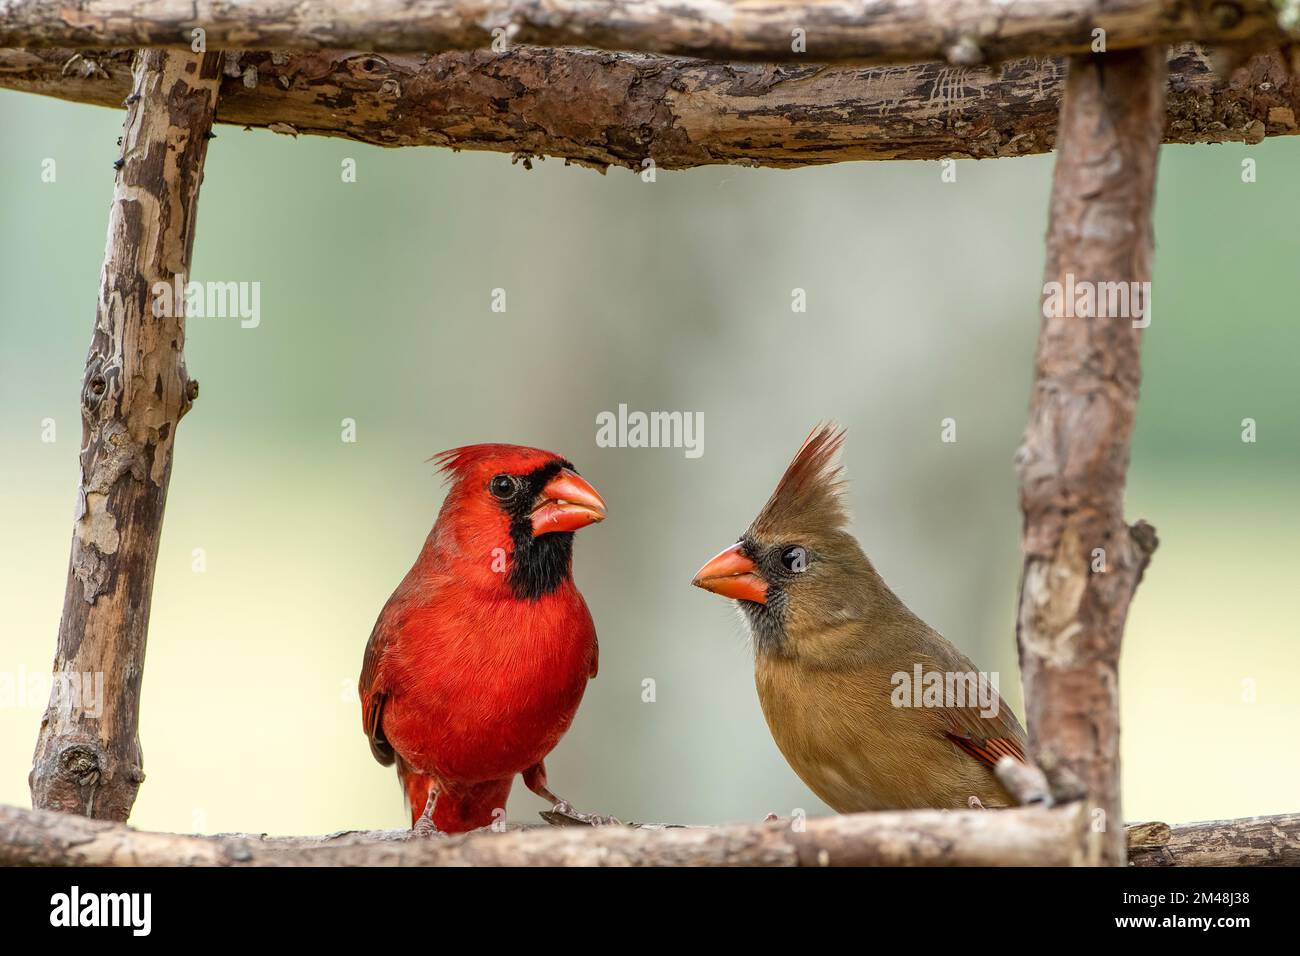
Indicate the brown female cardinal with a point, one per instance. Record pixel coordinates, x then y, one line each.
872 708
479 660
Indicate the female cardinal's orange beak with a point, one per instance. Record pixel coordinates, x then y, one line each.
733 575
567 504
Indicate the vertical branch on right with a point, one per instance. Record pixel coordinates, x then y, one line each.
1082 560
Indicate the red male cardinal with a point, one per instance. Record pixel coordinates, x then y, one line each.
479 659
872 708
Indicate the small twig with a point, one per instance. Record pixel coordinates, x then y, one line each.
1025 782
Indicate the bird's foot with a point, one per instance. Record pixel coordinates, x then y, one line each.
974 803
564 815
425 827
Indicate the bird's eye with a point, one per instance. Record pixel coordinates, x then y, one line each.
503 487
795 559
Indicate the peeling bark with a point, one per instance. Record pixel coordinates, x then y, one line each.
1082 561
901 31
134 393
604 109
1253 841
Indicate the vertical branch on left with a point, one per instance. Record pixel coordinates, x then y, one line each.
134 393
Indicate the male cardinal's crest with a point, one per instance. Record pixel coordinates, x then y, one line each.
837 654
479 659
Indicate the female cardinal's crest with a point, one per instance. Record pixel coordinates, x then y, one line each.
809 493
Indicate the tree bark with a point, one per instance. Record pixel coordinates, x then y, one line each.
602 109
900 31
1026 836
1253 841
134 393
1082 561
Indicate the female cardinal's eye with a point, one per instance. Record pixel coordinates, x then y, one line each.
795 558
502 486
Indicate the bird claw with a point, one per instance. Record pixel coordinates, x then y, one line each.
424 828
564 815
974 803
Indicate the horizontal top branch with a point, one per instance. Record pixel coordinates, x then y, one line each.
619 109
864 31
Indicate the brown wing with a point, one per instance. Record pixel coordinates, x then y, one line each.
987 739
373 692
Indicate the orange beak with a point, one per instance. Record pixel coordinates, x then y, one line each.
567 504
733 575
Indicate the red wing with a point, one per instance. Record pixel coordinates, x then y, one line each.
373 694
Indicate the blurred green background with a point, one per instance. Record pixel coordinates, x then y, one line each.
923 302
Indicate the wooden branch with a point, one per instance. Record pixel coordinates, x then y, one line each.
1027 836
1253 841
133 395
1082 561
1033 836
608 109
900 31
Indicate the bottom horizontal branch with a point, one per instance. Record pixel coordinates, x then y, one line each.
1029 836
